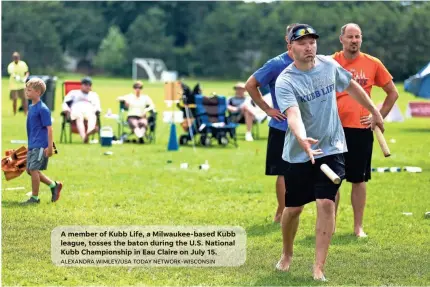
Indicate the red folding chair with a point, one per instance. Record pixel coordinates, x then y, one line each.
67 122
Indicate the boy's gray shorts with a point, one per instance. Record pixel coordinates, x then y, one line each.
36 159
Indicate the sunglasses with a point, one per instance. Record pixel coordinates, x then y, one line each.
303 31
138 87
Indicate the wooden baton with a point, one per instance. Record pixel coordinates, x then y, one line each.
330 173
382 142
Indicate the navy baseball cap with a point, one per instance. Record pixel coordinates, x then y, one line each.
87 80
300 31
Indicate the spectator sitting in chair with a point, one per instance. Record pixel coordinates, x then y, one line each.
81 105
138 105
242 110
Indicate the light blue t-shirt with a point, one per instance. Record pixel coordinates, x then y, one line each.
314 92
267 75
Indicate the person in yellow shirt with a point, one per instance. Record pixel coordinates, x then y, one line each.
18 71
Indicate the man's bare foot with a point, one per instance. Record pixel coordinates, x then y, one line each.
322 278
284 263
360 233
319 275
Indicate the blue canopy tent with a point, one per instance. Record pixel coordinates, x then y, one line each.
419 84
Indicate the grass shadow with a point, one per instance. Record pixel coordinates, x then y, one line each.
14 204
263 229
215 145
278 278
241 137
337 239
347 239
416 130
261 139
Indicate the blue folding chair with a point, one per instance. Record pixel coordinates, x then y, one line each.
212 122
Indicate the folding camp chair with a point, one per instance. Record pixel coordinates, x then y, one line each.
211 121
67 123
123 124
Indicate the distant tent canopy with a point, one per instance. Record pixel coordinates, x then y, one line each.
419 84
395 115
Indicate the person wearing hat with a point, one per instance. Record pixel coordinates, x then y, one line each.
241 109
306 94
18 71
368 71
138 105
263 77
81 105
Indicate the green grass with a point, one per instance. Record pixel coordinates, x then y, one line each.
135 186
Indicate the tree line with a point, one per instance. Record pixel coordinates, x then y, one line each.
205 39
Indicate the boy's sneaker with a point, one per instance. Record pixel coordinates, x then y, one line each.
31 200
56 191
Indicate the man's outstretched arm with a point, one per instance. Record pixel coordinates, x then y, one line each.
295 124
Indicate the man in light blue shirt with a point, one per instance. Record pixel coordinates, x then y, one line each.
306 93
266 76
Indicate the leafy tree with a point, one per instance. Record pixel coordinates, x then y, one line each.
218 44
33 37
81 31
112 52
147 37
415 47
207 39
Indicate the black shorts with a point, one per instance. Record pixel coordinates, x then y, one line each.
358 159
275 165
306 181
237 118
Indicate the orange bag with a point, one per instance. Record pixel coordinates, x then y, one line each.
15 162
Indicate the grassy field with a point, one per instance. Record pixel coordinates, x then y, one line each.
136 186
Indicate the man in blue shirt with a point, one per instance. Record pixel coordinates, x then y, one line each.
264 76
40 141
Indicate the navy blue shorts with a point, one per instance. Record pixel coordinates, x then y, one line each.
275 165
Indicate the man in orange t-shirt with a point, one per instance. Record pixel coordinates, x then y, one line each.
368 71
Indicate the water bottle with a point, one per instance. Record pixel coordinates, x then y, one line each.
412 169
204 166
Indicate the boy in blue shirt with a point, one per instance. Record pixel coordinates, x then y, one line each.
266 76
40 141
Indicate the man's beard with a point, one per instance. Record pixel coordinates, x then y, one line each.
309 59
354 49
